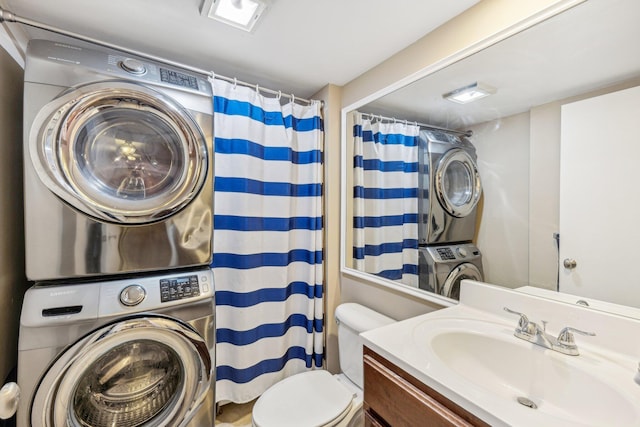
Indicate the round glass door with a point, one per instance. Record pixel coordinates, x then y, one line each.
128 385
119 151
451 286
457 183
147 371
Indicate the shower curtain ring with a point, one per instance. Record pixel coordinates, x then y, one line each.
258 89
279 95
293 98
235 82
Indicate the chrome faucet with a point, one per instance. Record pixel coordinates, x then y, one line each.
532 332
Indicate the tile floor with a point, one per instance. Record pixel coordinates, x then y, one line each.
235 415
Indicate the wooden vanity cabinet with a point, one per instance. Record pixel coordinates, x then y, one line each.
392 397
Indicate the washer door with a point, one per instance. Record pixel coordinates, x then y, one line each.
119 151
451 286
145 371
457 183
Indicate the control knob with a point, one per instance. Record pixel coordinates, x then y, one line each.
132 295
462 252
133 66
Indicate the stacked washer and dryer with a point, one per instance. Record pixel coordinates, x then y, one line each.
449 192
118 329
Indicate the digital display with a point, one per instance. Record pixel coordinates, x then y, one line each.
178 79
446 254
178 288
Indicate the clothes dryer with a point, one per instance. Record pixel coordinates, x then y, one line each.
127 353
441 268
118 163
449 188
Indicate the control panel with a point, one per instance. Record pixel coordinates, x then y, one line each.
178 288
48 305
455 252
445 253
154 292
110 63
178 78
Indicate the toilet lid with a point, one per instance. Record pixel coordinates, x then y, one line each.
313 398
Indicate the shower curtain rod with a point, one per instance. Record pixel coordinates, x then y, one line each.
467 133
7 16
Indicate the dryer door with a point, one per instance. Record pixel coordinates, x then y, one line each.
144 371
119 151
451 286
457 183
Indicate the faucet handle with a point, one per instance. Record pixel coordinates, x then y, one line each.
565 337
524 320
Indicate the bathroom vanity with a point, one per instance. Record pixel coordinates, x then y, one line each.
395 397
477 364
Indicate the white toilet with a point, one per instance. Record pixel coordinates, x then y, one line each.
317 398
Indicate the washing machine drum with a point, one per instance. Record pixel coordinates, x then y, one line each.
149 371
119 151
451 286
457 183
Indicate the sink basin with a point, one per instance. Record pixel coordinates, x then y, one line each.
485 358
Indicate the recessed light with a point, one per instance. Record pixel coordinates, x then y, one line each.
469 93
242 14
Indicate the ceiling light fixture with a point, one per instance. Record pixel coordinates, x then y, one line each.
242 14
469 93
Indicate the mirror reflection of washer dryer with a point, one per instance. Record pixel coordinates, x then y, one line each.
449 188
118 163
443 267
128 353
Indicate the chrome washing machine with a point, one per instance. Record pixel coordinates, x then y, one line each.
118 170
449 188
443 267
126 353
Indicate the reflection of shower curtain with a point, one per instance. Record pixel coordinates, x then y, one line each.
386 199
267 256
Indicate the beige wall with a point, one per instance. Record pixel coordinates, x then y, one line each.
12 281
331 95
480 26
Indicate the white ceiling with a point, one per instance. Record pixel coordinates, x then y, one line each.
589 47
299 46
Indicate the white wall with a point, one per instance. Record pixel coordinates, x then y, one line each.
503 233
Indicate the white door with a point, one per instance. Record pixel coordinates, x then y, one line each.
600 198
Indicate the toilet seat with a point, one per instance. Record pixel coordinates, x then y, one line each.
314 398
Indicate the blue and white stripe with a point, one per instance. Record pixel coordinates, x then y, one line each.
385 192
268 259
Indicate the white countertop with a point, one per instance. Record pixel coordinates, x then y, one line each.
406 344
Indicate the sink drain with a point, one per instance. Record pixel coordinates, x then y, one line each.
527 402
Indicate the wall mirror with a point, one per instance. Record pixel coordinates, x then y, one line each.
583 52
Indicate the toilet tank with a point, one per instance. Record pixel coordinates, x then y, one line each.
353 319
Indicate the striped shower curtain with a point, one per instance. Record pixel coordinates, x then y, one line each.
268 259
385 204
